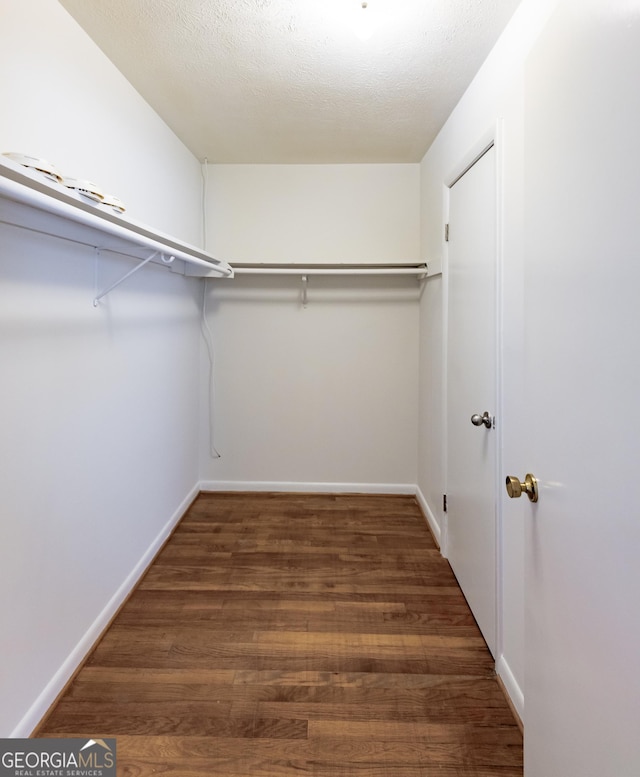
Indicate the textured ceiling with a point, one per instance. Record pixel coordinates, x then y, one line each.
289 81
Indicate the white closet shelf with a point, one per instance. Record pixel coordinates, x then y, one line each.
31 201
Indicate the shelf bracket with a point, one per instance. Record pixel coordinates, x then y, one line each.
165 259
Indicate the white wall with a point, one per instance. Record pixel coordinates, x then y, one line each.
314 213
61 99
315 396
98 407
327 394
431 407
492 104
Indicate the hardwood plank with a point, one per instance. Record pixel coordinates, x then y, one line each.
446 751
295 619
439 693
146 721
345 679
286 634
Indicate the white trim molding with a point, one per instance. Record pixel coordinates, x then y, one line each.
429 515
308 488
516 694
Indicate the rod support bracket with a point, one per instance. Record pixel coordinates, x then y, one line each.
131 272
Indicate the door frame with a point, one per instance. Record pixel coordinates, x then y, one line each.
492 138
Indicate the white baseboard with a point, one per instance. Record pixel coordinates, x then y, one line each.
307 488
41 706
431 519
510 683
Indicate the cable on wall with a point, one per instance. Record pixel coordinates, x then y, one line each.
208 338
204 172
204 324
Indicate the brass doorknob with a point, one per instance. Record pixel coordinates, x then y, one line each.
515 487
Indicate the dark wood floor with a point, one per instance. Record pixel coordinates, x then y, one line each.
280 635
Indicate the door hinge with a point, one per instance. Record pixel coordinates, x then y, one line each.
446 233
444 503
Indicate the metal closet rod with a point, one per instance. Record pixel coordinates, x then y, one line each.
419 270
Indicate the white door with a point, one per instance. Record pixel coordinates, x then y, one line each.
471 390
582 395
